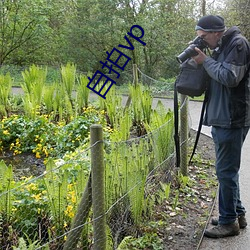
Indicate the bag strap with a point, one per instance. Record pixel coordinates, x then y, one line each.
199 127
176 126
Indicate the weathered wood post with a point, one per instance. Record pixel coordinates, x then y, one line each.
98 194
135 74
184 135
80 218
135 81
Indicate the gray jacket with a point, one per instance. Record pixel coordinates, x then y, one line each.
228 103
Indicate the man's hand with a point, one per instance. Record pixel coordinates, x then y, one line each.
200 58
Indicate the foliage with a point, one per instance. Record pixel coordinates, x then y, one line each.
128 164
30 204
22 245
45 138
141 106
48 98
34 81
113 108
51 201
80 32
5 90
6 184
236 13
46 205
147 241
163 123
68 73
82 98
23 25
57 98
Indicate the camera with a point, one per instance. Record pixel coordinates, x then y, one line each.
190 51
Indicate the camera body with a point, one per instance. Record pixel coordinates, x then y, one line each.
190 51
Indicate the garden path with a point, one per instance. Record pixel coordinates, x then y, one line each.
241 242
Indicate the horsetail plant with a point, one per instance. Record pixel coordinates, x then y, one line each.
82 93
141 105
48 98
161 127
68 74
62 105
113 107
6 184
126 172
5 89
56 184
33 85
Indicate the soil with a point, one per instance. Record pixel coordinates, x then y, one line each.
179 220
25 164
186 223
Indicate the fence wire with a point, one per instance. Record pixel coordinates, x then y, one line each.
47 204
161 87
44 210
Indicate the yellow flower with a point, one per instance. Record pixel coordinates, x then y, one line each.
103 112
73 199
37 196
6 132
45 151
16 152
14 209
38 156
31 187
69 211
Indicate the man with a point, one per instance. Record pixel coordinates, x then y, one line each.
228 112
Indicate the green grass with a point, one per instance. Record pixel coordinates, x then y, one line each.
53 73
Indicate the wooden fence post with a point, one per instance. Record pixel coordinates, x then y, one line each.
98 195
184 135
135 81
135 74
80 218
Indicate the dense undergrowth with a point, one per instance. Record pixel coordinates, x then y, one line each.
52 122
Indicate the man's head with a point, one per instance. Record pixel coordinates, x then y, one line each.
211 28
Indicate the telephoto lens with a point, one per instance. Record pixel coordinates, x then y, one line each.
190 51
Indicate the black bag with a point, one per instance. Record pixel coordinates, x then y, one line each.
192 80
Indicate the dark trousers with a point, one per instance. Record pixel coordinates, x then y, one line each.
228 145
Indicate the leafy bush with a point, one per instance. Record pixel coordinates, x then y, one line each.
44 138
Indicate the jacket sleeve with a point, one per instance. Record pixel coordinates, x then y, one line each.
234 66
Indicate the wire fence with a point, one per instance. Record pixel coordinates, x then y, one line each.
55 210
42 209
164 86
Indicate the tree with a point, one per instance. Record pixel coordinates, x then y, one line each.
82 31
237 12
21 21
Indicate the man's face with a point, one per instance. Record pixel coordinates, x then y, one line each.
211 38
